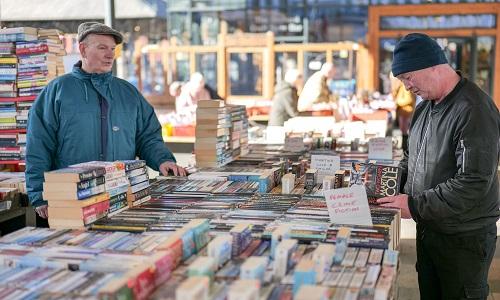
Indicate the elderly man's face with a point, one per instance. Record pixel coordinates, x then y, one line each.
420 83
98 53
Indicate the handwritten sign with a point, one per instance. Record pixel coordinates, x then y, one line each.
294 144
325 164
380 148
348 206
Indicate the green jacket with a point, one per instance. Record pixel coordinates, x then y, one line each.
64 127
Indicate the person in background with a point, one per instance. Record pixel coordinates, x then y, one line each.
90 115
405 105
192 91
449 173
284 102
175 89
316 88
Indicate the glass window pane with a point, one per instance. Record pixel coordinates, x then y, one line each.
204 28
313 62
206 64
385 63
344 82
236 20
178 24
245 73
485 56
284 61
153 79
181 67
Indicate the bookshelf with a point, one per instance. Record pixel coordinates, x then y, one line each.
29 59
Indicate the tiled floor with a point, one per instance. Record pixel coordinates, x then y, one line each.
408 285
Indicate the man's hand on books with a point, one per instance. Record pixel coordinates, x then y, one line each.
399 201
169 167
42 211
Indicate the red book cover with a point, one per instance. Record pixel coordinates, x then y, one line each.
94 212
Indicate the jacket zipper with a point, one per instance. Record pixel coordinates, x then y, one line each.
463 155
418 155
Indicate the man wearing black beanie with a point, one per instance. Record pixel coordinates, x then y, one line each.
450 185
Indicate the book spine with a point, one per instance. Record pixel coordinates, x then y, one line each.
94 212
86 193
90 183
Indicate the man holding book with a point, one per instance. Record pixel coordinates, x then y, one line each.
451 165
90 115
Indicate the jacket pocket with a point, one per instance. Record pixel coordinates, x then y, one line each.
476 158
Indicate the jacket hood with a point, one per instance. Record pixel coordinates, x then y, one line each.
99 81
95 77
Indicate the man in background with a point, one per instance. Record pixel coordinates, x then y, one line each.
284 102
316 88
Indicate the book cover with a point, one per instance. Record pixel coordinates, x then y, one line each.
379 180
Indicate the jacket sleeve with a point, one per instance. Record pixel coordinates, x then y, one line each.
403 164
41 143
149 141
476 153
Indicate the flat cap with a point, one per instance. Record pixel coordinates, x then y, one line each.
87 28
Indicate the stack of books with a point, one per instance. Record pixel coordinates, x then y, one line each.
18 34
8 70
36 67
8 88
212 146
137 174
116 183
239 130
76 196
52 39
27 64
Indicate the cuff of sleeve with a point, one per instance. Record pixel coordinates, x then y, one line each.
38 203
165 160
413 208
36 199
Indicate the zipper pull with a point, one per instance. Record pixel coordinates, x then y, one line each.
462 145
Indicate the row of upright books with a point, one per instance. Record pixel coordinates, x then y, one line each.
173 205
221 133
29 59
189 264
81 194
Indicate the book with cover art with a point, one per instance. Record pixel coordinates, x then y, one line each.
379 180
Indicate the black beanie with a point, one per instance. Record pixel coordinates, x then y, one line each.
416 51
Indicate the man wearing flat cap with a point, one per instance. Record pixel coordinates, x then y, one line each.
91 115
451 186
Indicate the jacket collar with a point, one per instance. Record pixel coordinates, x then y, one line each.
94 77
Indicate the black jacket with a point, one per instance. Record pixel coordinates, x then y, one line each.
451 164
284 104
